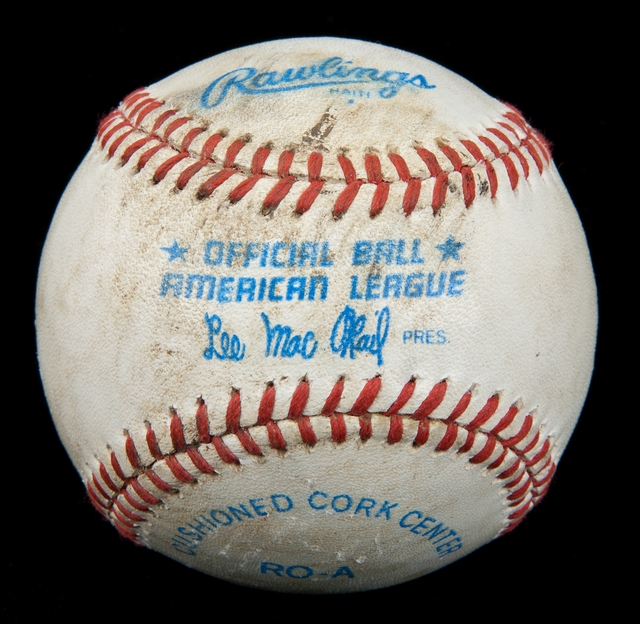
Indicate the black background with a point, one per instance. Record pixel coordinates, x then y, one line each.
71 69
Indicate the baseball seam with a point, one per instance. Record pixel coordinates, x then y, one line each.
143 126
508 445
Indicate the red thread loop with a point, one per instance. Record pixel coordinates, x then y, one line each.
267 402
143 110
422 436
367 396
177 433
223 451
284 163
449 438
98 487
161 119
161 484
134 147
277 194
506 420
233 413
232 151
276 439
395 429
439 191
338 428
486 452
307 433
132 453
459 409
468 444
405 394
331 404
485 413
167 165
365 428
107 478
299 400
248 443
99 505
173 126
200 462
202 422
178 470
127 512
210 185
152 443
147 497
433 400
116 144
115 464
522 434
374 175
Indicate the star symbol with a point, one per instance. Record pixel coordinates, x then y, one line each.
175 251
450 249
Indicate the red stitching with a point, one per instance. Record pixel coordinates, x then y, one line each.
147 497
517 480
432 402
519 140
374 175
134 147
116 467
123 520
282 188
233 413
331 404
485 413
200 462
152 443
223 451
366 397
521 481
127 512
498 462
202 422
106 478
468 443
161 484
116 144
97 503
395 429
259 158
132 453
338 428
148 155
132 501
309 195
179 472
412 193
98 487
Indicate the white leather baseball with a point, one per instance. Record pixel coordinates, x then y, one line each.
315 315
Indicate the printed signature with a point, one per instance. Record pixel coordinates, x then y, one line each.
229 346
327 73
348 337
281 341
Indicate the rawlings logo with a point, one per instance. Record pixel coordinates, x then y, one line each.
330 72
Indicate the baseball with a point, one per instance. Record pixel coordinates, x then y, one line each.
315 315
